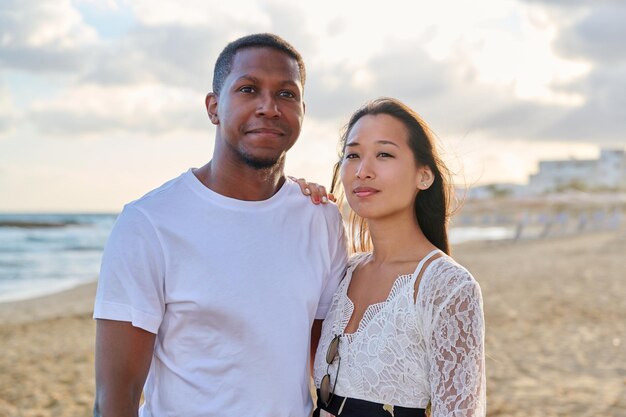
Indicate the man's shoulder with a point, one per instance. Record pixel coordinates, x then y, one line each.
302 203
168 191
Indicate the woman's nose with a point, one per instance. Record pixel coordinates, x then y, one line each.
364 170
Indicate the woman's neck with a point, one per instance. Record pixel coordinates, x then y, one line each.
398 239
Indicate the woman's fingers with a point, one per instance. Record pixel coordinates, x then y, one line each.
322 192
316 192
304 186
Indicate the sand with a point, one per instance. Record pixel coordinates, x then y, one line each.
556 324
556 333
46 365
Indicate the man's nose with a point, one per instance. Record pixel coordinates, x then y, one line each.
268 106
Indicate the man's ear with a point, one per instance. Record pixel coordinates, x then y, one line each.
425 178
211 107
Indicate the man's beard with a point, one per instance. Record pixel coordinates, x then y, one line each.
260 163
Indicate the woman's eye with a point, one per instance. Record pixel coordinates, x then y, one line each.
351 156
385 155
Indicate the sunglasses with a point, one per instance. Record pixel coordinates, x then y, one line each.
326 394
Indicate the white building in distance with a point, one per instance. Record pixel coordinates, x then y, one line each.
606 173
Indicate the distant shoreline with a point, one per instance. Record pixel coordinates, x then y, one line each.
36 225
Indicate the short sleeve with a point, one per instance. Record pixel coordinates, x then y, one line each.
131 282
338 250
456 350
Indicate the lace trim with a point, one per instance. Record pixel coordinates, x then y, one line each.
374 309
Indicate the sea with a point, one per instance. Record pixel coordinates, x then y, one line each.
47 253
42 254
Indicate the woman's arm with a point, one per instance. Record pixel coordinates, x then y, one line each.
457 355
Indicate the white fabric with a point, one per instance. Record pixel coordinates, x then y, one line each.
231 288
406 352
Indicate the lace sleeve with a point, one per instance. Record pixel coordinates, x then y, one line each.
457 361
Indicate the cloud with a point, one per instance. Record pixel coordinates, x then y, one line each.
521 120
43 36
97 110
447 93
150 80
171 55
572 3
154 76
454 100
599 36
586 34
8 113
601 118
6 123
287 21
183 54
403 71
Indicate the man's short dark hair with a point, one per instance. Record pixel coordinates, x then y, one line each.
224 63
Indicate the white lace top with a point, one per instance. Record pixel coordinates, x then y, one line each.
407 352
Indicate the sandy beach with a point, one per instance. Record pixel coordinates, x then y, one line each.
556 333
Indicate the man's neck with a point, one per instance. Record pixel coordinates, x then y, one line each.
248 184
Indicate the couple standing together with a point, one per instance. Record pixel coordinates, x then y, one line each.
222 288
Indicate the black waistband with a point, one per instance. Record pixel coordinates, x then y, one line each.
360 408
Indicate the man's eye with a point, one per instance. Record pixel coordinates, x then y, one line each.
246 89
287 94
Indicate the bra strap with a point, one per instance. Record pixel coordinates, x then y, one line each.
420 265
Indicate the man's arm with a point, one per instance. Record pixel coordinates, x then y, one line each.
123 357
316 332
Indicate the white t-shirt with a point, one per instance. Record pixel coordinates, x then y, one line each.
230 288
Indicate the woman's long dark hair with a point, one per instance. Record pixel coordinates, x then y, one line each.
431 205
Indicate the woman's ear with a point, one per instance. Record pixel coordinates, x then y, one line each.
211 107
425 178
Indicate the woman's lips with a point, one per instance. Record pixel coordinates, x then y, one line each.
364 191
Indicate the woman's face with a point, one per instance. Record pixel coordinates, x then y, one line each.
378 172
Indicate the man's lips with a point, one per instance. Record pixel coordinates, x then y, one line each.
365 191
266 131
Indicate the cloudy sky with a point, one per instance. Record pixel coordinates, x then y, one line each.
103 100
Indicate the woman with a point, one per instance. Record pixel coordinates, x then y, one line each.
405 330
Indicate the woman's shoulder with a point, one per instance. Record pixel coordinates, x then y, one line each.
446 283
446 274
356 258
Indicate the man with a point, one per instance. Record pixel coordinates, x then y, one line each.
210 284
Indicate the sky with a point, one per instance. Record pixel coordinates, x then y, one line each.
103 100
